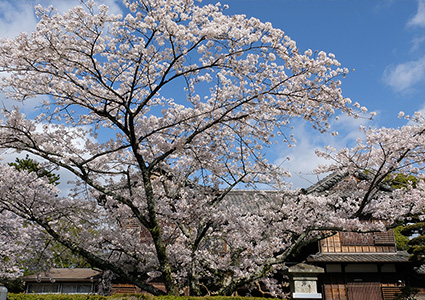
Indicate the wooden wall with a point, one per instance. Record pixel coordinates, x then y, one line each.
352 242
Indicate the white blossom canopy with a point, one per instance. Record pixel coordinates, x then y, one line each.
159 114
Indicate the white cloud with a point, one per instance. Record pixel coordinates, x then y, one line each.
19 16
65 5
15 18
417 42
66 176
27 106
419 18
405 76
303 159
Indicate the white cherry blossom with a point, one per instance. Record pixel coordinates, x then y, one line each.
159 114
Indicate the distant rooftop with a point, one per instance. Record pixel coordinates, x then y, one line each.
65 274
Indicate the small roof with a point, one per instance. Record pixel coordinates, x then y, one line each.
64 274
252 200
396 257
326 183
303 268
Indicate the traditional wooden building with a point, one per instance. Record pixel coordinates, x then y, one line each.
346 266
64 281
74 281
361 266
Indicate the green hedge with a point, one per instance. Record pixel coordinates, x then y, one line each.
208 298
11 296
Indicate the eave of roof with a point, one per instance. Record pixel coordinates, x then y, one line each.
252 200
326 183
396 257
65 274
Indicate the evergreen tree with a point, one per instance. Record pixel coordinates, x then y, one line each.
410 236
63 257
30 165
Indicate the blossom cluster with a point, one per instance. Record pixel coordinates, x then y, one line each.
158 115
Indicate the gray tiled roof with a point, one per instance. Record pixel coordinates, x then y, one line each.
65 274
395 257
326 183
252 200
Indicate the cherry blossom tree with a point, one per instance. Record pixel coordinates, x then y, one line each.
376 165
159 115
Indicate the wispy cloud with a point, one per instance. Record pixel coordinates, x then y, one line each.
417 43
419 18
16 18
78 141
403 77
65 5
26 106
19 16
303 160
408 76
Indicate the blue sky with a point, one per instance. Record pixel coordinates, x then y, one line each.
382 40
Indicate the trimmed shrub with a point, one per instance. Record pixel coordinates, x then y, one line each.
12 296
